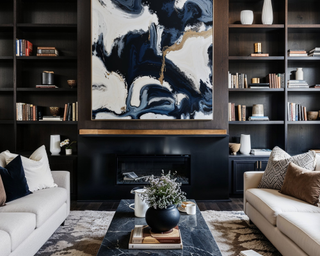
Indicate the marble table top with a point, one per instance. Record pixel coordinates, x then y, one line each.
196 236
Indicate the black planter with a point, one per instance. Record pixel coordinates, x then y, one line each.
162 220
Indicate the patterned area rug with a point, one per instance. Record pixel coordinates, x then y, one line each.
83 233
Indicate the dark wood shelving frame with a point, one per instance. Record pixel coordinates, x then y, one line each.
287 33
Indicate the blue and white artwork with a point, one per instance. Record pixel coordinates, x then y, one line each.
152 59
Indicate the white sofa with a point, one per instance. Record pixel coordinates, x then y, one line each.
28 222
291 225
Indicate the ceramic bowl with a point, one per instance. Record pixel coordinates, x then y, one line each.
72 83
54 111
234 148
312 115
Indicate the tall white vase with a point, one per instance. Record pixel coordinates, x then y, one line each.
55 145
245 144
299 74
267 13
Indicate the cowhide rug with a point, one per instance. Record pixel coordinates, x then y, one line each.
83 233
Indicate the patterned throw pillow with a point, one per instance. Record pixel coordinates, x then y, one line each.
279 160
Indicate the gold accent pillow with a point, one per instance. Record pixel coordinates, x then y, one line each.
302 184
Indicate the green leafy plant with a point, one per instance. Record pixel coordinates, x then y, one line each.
67 143
163 191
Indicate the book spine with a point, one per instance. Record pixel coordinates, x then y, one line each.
20 47
47 54
229 112
65 112
77 111
73 111
233 112
23 47
47 51
17 47
69 112
243 113
239 112
46 48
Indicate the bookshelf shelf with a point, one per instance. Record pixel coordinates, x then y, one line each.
303 122
255 122
303 58
58 90
6 89
304 90
6 57
256 26
249 58
41 58
30 27
6 121
271 90
47 122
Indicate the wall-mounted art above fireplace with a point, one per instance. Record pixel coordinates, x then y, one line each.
152 60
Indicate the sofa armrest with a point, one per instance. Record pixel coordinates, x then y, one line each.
250 180
62 179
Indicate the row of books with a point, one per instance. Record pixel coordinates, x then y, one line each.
236 112
31 112
315 52
237 80
23 47
276 80
296 112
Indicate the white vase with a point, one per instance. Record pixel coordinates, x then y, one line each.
55 145
267 13
299 74
68 151
246 17
245 144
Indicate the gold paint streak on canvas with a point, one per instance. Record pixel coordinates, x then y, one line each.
178 46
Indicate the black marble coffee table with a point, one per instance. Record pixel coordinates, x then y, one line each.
196 236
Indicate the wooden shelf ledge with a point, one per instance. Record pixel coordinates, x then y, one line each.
150 132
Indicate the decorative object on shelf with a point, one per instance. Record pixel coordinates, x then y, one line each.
312 115
257 48
163 195
68 145
72 83
245 144
54 111
47 77
299 74
55 145
255 80
140 207
234 148
246 17
267 13
167 89
257 110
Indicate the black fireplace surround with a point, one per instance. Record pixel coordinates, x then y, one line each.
206 157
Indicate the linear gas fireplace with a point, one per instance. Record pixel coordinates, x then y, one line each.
134 169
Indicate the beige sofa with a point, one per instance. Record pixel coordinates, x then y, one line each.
28 222
291 225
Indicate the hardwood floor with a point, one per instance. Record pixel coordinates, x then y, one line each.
235 204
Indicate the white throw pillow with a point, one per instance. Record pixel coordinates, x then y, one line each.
318 162
36 169
2 159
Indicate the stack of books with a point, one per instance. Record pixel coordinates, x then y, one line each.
297 53
296 112
258 118
51 118
46 86
23 47
259 55
261 152
143 238
276 80
297 84
26 112
47 51
259 85
315 52
241 116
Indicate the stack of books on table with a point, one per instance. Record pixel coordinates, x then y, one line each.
261 152
297 53
315 52
297 84
47 51
143 238
258 118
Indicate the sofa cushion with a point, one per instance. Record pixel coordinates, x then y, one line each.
3 196
270 203
2 159
278 162
302 184
303 229
43 203
14 180
5 244
37 169
18 225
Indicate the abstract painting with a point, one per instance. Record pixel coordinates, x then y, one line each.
152 59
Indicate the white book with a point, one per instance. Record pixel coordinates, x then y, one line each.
261 152
249 253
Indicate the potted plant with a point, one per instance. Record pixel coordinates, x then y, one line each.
68 146
163 195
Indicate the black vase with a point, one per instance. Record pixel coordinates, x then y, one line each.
162 220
